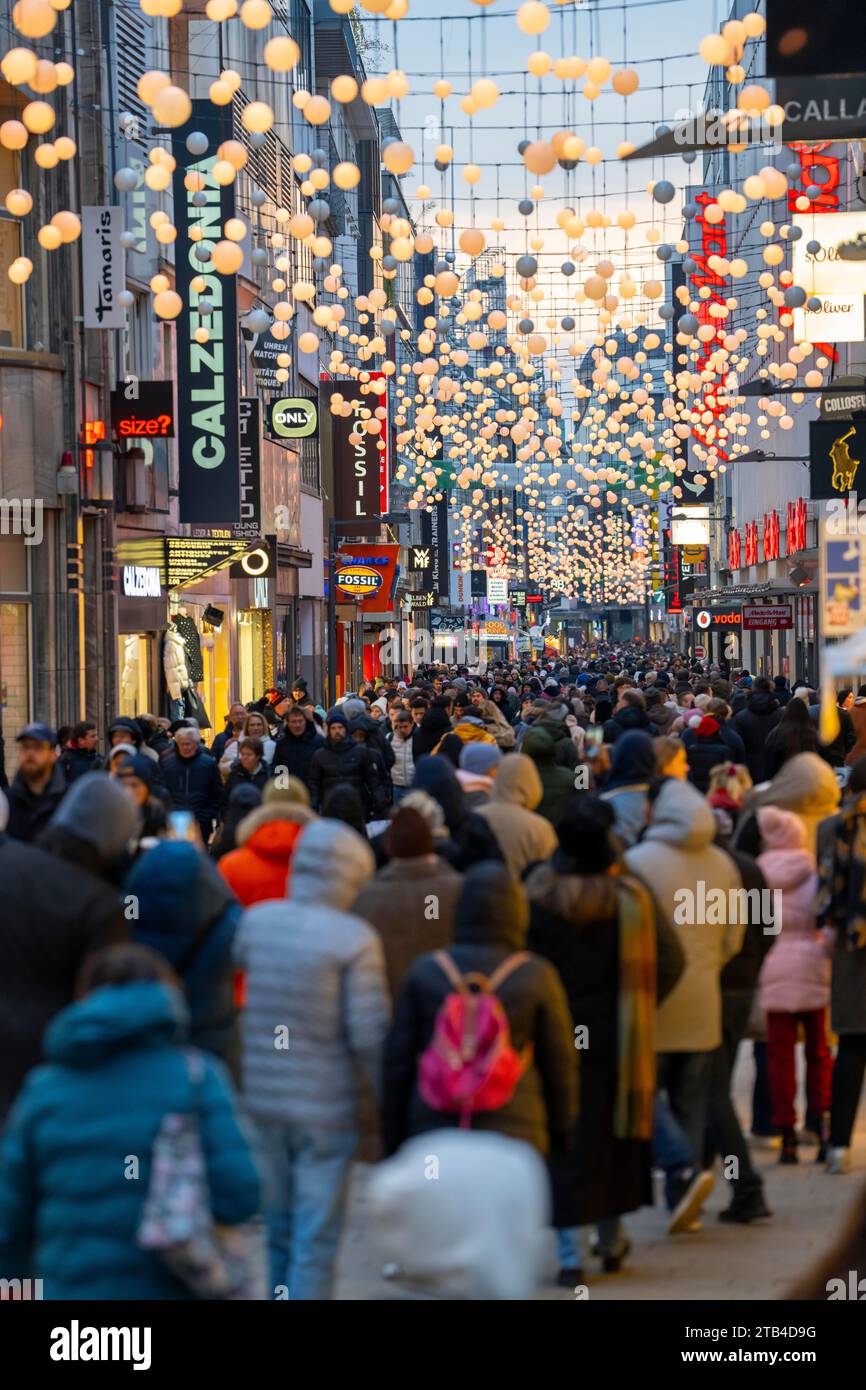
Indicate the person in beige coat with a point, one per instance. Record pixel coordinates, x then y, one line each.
696 889
524 837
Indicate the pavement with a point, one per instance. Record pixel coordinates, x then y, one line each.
717 1262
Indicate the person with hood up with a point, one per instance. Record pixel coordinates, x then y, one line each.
660 715
709 741
57 909
490 926
470 837
755 722
795 979
341 759
116 1066
258 868
494 720
479 1233
806 785
243 800
469 728
294 752
136 774
187 913
629 715
477 769
557 781
781 690
315 979
551 718
597 926
367 732
626 787
434 725
524 837
685 872
412 898
125 729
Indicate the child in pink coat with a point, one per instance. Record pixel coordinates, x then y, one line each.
795 978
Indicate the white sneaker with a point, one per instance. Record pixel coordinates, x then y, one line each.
838 1161
685 1215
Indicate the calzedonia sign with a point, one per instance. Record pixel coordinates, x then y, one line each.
207 373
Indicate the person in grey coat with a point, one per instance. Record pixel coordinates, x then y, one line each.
317 1009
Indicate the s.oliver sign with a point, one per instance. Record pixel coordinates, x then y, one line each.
207 373
758 616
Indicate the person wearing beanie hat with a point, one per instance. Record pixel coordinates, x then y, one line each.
286 789
315 969
341 759
490 924
411 900
794 984
479 1233
137 776
94 823
478 764
597 926
38 786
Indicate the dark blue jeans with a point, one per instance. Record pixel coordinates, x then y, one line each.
681 1112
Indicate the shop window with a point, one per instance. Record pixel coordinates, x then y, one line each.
13 565
11 296
14 666
133 664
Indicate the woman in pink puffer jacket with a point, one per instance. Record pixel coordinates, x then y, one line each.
795 978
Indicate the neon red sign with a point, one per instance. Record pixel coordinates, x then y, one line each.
795 538
771 536
735 550
751 542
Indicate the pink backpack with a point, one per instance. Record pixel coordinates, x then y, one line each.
470 1063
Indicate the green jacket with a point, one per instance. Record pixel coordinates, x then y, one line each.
557 781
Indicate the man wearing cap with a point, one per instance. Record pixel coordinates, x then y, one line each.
38 786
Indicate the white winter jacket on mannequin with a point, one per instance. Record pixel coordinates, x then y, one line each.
174 663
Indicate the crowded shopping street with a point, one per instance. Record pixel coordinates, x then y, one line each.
432 691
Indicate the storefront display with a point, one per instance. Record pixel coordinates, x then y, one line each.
15 675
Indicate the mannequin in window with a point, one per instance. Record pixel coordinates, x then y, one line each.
185 625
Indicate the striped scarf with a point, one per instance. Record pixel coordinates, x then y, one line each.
636 1062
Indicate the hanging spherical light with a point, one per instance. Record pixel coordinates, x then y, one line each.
46 156
533 17
374 91
346 175
19 202
171 107
68 225
38 117
398 157
227 257
539 63
18 66
167 304
256 14
258 116
34 18
539 157
344 88
625 82
20 270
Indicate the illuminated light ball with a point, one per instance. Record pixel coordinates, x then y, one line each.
472 241
775 182
397 9
150 83
594 155
344 88
471 173
18 202
398 84
714 214
653 289
533 17
171 107
20 270
158 178
813 378
539 157
598 70
342 6
202 334
446 284
221 10
34 18
485 93
595 287
46 156
220 93
235 229
18 66
65 148
444 154
49 238
716 50
257 117
753 98
444 218
538 63
68 225
754 25
624 149
166 234
442 88
375 6
736 74
663 191
282 54
496 320
301 226
38 117
754 188
317 110
256 14
402 248
773 255
161 282
374 91
322 247
227 257
167 304
346 175
398 157
232 78
625 82
308 342
626 219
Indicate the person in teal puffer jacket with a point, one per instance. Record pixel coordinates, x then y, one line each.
85 1124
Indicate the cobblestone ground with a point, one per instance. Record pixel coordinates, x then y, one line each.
717 1262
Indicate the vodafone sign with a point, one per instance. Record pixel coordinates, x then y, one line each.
714 619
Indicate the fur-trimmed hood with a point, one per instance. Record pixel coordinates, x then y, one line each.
278 810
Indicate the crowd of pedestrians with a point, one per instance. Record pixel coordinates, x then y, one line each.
522 917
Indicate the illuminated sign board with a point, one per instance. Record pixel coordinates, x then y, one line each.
143 409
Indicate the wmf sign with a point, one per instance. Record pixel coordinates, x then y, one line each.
295 417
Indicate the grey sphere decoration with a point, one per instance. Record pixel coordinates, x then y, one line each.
813 247
199 200
440 265
126 180
666 312
525 207
257 138
387 329
795 297
664 251
128 240
794 233
389 262
205 306
440 166
567 164
688 324
813 192
319 156
319 210
258 197
568 267
201 252
126 299
690 210
664 191
689 266
813 304
197 142
391 206
526 266
450 258
257 321
689 156
793 171
525 326
567 324
259 255
662 130
523 147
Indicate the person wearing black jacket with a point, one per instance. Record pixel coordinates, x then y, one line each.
490 925
57 909
38 786
630 713
739 981
755 722
433 727
193 779
470 837
300 740
711 742
80 754
249 768
367 731
341 759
